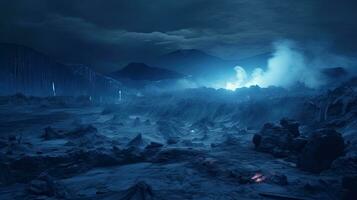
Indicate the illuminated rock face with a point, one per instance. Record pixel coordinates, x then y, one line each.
24 70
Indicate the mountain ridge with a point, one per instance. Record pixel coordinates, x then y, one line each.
142 71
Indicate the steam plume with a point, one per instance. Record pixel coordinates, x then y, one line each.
287 67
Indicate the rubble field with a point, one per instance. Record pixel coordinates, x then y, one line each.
171 148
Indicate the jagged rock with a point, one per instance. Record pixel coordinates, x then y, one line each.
137 141
324 146
278 140
139 191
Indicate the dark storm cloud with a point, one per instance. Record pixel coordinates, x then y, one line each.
107 33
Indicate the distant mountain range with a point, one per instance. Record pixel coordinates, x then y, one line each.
141 71
206 67
25 70
28 71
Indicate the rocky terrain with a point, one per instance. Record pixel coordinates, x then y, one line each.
194 144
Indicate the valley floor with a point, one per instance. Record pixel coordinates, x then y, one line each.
90 152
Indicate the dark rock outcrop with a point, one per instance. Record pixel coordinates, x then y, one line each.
277 139
349 185
136 142
324 146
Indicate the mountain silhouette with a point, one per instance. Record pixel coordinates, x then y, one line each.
141 71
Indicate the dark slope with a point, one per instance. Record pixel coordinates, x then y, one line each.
24 70
141 71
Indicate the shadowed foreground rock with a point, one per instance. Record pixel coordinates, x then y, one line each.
349 185
277 140
323 147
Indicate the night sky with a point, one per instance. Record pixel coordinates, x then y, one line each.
108 33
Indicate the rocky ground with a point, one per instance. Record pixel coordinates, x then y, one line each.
53 148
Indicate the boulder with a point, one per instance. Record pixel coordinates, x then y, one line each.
273 139
323 147
279 139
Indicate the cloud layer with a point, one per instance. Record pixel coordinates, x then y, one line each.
108 33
